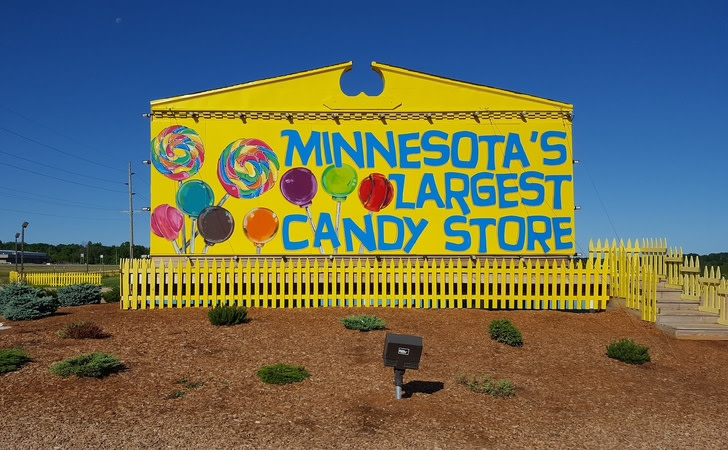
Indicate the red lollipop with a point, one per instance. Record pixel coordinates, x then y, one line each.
375 192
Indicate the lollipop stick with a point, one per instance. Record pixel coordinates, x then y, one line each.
192 238
222 200
338 218
204 250
361 244
184 231
313 227
258 248
176 247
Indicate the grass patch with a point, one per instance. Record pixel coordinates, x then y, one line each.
190 384
176 394
91 365
363 322
486 384
223 315
12 359
282 373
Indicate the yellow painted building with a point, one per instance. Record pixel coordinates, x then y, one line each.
292 166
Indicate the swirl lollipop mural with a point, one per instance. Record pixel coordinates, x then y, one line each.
193 196
177 152
247 168
299 186
260 225
339 182
215 225
166 222
376 193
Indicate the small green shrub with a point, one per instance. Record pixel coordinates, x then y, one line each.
12 359
488 385
79 294
112 296
82 330
20 301
363 323
502 330
282 374
626 350
223 315
93 365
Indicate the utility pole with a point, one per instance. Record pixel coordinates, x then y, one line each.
131 216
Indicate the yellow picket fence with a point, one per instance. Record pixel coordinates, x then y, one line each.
361 282
636 269
56 279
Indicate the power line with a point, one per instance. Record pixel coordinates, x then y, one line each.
44 199
36 213
61 179
56 149
56 167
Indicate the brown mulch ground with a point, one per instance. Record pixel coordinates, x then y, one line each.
569 394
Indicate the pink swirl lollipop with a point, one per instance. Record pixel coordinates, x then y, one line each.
166 222
177 152
247 168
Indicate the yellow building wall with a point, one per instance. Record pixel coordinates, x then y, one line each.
291 165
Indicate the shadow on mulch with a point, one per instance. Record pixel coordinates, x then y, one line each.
421 387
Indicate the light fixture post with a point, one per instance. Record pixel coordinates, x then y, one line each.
22 251
131 216
17 235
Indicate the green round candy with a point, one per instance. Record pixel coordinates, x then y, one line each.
339 182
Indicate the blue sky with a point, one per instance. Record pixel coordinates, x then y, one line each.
647 80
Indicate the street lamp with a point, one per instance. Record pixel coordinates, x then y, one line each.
17 235
102 262
22 251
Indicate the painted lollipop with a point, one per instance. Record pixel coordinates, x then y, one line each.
215 225
339 182
166 222
376 193
247 168
193 196
177 152
260 226
299 186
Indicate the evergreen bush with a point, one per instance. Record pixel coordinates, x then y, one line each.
12 359
626 350
223 315
82 330
363 323
112 296
93 365
23 302
502 330
282 373
79 294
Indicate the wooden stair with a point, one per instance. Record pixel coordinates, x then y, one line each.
681 319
